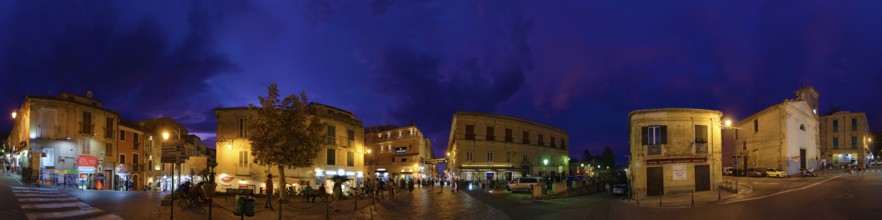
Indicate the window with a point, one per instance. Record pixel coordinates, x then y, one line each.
122 135
87 145
87 123
393 159
553 142
350 134
490 134
563 144
507 156
243 132
835 125
755 125
854 142
654 135
108 128
108 150
135 162
508 137
541 140
836 143
700 139
526 138
802 127
404 159
135 141
332 132
122 159
469 156
489 156
470 132
854 124
350 158
526 158
149 164
736 134
243 158
332 157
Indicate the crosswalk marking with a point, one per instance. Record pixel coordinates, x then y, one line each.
49 203
47 199
62 214
53 205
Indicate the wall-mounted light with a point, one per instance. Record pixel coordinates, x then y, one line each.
14 114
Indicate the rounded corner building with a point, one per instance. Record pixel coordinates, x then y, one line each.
674 151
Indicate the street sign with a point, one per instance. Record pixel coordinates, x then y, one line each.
172 151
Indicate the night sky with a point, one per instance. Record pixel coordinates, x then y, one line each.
577 65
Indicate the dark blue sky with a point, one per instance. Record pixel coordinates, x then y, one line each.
578 65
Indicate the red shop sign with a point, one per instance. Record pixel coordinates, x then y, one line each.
676 160
87 161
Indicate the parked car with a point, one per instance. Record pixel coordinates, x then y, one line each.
524 184
728 171
772 172
756 172
619 189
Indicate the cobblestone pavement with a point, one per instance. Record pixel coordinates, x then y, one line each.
421 204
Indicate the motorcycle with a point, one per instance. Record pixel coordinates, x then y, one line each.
807 172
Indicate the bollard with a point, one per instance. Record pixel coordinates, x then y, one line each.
693 197
210 204
659 201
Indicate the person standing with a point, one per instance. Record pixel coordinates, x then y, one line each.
269 191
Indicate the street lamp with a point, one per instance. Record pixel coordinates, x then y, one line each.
728 122
165 136
14 114
369 151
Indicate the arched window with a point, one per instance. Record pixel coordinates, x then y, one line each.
802 127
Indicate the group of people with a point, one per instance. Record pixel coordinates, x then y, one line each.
187 189
6 166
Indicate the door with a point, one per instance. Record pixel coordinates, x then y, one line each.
655 181
802 158
702 178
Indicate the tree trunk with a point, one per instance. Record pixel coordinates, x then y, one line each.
281 187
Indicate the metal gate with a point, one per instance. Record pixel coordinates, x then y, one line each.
655 181
702 178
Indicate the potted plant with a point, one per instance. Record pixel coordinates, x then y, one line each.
209 186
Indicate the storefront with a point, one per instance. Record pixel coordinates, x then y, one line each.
86 167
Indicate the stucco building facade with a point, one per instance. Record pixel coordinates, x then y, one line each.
67 139
845 139
398 152
486 146
784 136
674 151
342 152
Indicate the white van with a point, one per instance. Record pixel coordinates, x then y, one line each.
524 184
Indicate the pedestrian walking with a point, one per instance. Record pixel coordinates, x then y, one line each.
269 191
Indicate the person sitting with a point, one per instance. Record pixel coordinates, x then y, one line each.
323 192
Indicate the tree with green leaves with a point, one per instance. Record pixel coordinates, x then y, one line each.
287 132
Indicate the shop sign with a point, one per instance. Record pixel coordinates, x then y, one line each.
87 161
679 172
226 178
676 160
86 169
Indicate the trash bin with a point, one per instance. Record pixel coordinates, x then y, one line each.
244 205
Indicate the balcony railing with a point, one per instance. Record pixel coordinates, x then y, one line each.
392 137
340 141
701 148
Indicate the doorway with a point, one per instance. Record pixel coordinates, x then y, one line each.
702 178
801 158
655 181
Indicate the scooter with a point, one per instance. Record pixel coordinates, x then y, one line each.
808 172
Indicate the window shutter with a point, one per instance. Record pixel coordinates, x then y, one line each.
645 132
664 134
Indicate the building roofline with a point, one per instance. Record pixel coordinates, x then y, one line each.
692 110
53 98
510 118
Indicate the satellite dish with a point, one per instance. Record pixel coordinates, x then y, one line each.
89 94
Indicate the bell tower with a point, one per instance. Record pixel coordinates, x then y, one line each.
810 96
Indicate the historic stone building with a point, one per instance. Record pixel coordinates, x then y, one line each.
497 147
845 139
674 151
398 152
68 139
342 153
784 136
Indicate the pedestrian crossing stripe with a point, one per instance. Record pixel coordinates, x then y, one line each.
46 199
62 214
53 205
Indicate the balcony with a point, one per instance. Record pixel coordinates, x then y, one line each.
392 137
340 141
701 148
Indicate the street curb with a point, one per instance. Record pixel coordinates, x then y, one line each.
781 192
